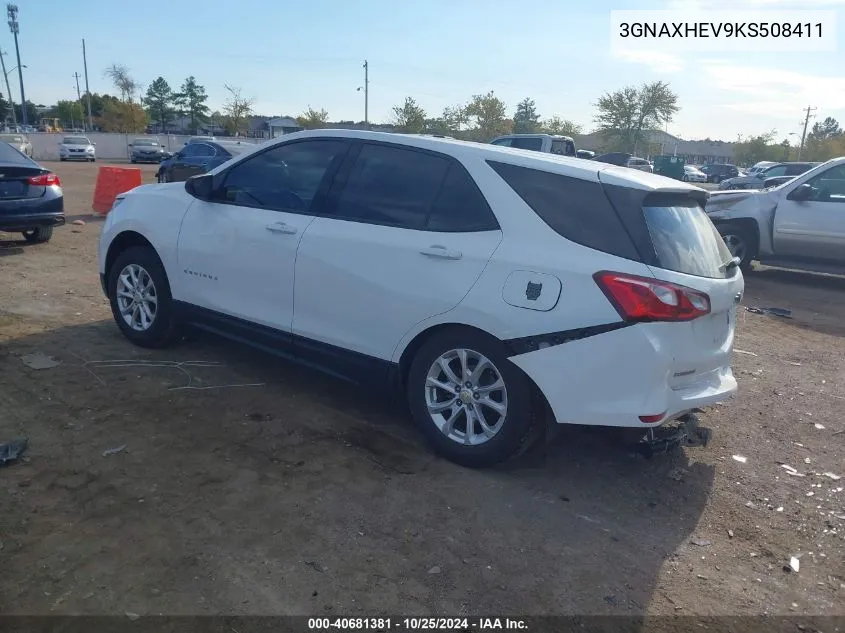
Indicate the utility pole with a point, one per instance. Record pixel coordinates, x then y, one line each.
14 27
78 94
366 93
809 110
8 90
87 91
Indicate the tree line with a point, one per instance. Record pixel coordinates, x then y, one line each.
825 140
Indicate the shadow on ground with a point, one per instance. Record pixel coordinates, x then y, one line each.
237 483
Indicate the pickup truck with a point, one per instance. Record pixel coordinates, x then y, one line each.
548 143
798 224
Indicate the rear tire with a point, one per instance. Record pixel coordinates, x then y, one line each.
164 329
38 235
497 432
741 242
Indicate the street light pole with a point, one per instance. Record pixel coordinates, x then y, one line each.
12 12
8 90
366 93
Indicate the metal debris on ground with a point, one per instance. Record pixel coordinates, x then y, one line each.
115 450
794 564
779 312
740 458
788 468
701 542
742 351
39 360
11 451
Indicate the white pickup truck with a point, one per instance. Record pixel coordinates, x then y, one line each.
799 224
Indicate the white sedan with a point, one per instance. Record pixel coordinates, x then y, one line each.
694 174
498 289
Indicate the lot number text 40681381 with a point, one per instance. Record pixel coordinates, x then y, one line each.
416 624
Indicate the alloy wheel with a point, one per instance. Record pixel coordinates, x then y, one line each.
466 396
137 298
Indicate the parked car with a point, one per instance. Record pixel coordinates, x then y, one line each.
198 158
585 153
19 141
758 167
147 150
200 139
798 224
639 163
548 143
77 148
31 201
755 180
467 275
694 174
614 158
717 172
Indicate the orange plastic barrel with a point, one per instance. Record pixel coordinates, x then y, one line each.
111 182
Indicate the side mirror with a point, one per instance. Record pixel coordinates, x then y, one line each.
801 193
200 186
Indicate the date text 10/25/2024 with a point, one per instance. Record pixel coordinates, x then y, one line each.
416 624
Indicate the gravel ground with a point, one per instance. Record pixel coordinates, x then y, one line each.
302 495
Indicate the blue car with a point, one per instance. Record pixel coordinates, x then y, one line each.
31 200
198 157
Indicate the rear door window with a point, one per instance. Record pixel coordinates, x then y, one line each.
796 170
533 144
684 238
575 209
563 147
502 142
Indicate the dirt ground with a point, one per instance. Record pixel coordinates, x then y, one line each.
291 493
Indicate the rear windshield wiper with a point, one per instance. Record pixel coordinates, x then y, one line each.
733 263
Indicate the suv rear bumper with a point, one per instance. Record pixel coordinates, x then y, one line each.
614 377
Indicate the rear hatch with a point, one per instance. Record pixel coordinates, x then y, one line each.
681 246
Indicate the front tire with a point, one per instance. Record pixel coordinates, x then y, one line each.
685 178
741 242
38 235
141 303
472 404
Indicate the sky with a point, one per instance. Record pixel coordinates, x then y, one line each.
292 55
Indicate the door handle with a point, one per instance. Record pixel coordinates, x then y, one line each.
442 252
281 227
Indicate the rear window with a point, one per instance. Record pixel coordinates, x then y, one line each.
534 144
575 209
685 239
10 154
564 147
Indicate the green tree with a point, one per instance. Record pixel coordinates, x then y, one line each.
564 127
191 101
409 117
753 149
120 116
31 113
488 112
5 110
525 119
237 110
312 119
70 113
455 118
823 130
159 101
625 114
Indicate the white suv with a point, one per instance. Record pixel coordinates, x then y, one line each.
489 284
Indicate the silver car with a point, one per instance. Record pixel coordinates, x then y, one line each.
19 142
77 148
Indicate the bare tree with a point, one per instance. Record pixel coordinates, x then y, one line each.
119 75
237 109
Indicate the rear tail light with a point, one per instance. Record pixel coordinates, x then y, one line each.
44 180
643 299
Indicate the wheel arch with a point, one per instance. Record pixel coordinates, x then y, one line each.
746 224
123 241
406 358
